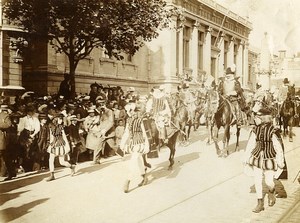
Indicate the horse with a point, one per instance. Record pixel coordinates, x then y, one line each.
180 117
200 106
287 113
222 117
172 131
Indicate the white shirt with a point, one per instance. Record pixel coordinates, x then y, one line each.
31 123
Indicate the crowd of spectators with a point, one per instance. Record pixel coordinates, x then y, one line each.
31 116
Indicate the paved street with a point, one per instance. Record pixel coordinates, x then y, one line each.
200 188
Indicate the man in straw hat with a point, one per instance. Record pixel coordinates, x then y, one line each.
158 108
230 87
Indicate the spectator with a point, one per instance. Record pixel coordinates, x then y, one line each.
43 141
5 123
65 87
119 132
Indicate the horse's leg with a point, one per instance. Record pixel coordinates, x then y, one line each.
171 145
238 132
291 129
210 132
215 131
225 140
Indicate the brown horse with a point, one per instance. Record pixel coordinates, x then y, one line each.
180 118
287 113
222 117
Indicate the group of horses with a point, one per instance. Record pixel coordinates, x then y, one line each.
184 120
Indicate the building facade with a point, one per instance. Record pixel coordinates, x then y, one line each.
202 41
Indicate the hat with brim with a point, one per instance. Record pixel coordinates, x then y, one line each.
229 71
264 111
100 99
58 115
43 116
42 108
158 93
92 109
286 81
73 118
131 89
185 86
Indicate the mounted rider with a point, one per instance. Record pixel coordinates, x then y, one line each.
188 99
231 89
212 101
158 107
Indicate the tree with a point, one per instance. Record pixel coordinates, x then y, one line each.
76 27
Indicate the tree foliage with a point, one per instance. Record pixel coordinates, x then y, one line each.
76 27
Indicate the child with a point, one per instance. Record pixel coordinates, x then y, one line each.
43 141
58 146
76 140
119 132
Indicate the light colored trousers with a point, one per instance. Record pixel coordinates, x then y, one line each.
136 166
61 161
258 180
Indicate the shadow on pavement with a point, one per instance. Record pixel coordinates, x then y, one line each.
23 181
95 167
162 169
10 214
7 197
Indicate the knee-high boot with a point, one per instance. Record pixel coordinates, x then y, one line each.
144 181
51 177
126 186
259 207
271 197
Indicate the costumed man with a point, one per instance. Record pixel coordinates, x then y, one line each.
212 103
158 108
230 88
134 141
264 155
188 100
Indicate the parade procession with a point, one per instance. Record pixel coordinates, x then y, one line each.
149 111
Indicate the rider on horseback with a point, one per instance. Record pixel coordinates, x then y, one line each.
158 107
231 89
188 99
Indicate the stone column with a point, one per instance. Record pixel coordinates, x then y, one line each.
207 51
245 63
239 62
194 50
180 51
221 68
230 54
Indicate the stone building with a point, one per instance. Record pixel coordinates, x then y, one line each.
203 40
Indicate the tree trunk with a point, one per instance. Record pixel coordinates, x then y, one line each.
73 65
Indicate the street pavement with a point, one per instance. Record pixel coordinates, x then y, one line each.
201 188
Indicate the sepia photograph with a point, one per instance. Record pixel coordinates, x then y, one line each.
149 111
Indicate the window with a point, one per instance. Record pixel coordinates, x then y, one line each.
213 67
226 45
186 46
200 49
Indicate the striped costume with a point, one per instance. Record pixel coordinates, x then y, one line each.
264 155
136 141
59 144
